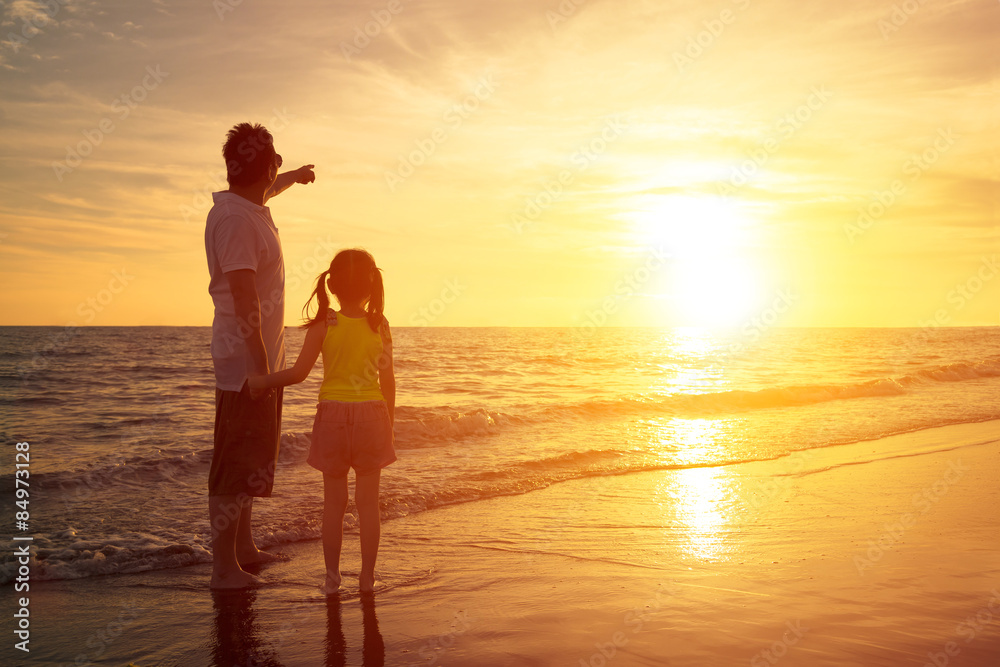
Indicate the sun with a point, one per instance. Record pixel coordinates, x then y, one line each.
714 279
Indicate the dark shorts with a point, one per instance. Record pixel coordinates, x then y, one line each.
349 435
247 435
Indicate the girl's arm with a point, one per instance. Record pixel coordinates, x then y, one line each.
386 374
300 371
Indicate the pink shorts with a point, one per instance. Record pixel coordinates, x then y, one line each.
349 435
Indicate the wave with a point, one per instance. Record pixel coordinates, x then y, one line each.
738 400
417 428
135 471
32 400
160 421
119 554
142 471
960 372
57 350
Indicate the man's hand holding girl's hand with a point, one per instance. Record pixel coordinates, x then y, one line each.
258 386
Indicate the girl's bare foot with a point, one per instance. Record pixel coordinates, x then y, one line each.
233 580
366 582
331 586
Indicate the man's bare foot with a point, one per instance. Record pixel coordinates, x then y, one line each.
237 579
257 558
366 582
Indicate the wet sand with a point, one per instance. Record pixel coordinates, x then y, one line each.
880 553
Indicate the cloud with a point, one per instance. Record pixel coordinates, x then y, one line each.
32 10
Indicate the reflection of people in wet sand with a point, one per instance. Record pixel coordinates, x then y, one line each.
354 418
248 289
237 638
373 650
373 646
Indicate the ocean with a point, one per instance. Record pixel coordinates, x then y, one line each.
119 420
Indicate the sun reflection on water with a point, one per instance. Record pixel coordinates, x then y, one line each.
692 341
700 498
692 367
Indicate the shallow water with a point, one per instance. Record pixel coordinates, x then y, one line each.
120 420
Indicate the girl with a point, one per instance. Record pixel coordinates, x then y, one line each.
355 414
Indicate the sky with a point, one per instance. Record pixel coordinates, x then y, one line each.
522 163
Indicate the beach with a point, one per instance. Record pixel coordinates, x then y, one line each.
679 318
878 553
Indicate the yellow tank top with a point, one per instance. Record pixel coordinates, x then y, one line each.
350 361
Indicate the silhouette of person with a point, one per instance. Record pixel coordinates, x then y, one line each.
247 286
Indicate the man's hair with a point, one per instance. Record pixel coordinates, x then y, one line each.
249 152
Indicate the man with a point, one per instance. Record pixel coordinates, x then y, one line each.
248 288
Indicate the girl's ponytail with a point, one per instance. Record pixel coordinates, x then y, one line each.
322 299
376 302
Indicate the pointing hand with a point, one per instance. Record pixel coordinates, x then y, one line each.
305 174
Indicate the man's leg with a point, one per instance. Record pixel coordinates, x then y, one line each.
246 549
247 434
225 513
247 552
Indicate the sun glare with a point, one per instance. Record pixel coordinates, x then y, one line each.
713 281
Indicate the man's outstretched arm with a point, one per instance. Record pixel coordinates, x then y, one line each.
286 180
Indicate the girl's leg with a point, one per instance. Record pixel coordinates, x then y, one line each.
334 506
366 498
